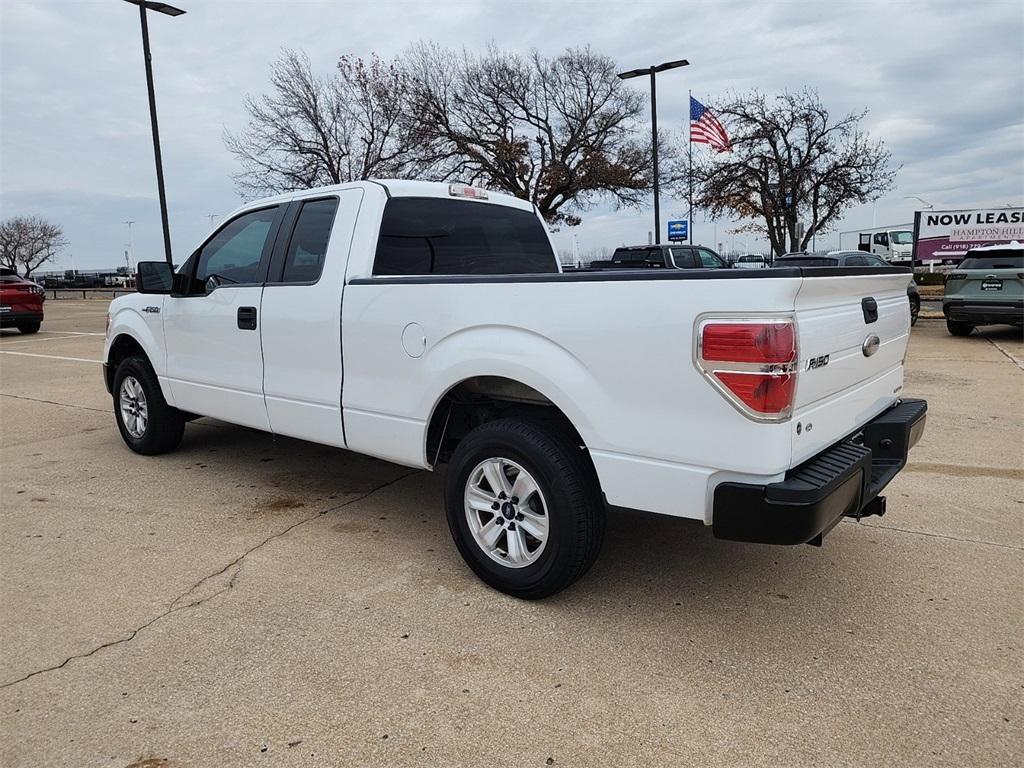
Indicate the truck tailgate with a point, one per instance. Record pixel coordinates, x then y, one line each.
852 334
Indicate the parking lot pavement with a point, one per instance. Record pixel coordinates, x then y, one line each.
257 601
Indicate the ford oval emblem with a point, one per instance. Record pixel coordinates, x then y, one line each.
870 345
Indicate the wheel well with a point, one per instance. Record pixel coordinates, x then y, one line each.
481 399
124 346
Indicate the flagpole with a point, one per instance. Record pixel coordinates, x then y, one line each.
689 149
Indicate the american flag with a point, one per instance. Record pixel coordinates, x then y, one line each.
706 129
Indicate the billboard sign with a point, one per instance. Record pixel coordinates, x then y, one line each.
942 235
678 231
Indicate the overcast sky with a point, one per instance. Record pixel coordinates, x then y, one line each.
944 83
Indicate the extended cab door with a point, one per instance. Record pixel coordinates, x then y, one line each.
301 318
211 328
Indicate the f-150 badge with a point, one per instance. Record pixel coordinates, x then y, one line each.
817 362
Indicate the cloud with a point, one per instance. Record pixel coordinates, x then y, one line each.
942 82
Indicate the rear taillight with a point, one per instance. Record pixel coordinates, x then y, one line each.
752 363
749 342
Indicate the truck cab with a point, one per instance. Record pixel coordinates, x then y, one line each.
894 245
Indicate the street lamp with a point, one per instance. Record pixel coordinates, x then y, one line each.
652 71
926 204
169 10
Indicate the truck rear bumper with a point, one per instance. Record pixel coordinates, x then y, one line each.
843 480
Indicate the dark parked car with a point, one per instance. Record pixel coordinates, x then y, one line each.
850 259
664 256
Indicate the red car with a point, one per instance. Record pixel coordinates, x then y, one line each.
21 302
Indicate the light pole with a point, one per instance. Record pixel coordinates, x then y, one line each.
169 10
652 71
131 250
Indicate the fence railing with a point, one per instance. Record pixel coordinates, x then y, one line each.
87 293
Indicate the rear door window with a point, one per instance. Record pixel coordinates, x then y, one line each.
683 258
435 236
308 245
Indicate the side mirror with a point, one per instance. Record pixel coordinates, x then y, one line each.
154 277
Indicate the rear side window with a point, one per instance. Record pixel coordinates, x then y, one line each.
306 250
683 258
628 254
434 236
1009 261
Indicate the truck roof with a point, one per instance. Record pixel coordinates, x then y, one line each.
401 188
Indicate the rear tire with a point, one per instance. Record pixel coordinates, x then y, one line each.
561 504
956 328
29 327
148 425
915 311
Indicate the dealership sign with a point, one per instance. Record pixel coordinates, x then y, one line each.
950 234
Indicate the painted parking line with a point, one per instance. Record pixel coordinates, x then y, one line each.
51 357
41 337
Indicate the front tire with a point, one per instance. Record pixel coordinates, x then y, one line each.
148 425
32 327
956 328
524 507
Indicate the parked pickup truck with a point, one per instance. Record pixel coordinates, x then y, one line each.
429 324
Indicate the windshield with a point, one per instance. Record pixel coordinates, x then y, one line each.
902 237
1009 261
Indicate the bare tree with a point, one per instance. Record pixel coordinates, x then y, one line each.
790 164
26 242
312 131
558 132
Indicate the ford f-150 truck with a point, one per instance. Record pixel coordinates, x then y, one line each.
430 324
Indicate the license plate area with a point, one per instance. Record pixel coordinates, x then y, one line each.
991 285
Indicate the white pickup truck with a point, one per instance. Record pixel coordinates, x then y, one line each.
429 324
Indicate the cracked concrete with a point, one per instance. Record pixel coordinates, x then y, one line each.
252 601
194 594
